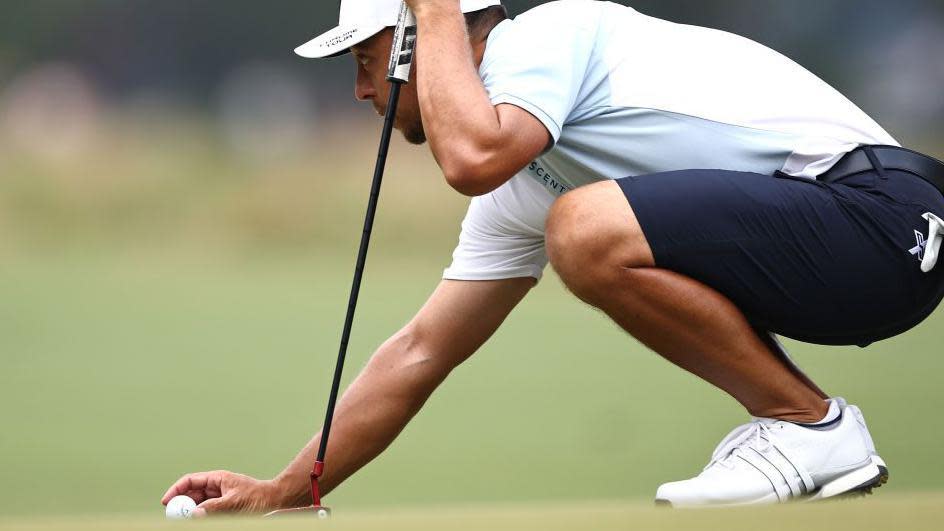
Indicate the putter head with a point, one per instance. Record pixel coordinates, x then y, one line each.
317 511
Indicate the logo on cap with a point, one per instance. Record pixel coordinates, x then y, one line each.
346 36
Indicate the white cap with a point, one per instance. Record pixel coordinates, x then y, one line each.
361 20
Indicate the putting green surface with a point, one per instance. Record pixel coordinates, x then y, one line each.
916 512
121 374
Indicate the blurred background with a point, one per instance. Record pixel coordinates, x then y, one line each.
180 203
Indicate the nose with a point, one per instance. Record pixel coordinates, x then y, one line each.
363 88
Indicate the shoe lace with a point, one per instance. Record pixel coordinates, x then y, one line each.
756 434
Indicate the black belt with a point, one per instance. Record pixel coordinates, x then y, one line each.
889 158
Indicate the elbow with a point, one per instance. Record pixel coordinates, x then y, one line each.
473 174
469 186
408 355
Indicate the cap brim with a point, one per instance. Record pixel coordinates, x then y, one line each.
337 41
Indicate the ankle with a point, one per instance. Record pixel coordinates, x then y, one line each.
802 414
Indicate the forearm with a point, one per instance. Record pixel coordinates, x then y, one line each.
372 412
462 125
457 319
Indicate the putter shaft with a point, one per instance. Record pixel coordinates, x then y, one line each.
356 286
400 65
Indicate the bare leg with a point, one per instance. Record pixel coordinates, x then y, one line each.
598 249
780 351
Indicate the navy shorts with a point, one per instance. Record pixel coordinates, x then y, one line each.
833 264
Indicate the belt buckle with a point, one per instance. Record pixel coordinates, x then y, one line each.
932 248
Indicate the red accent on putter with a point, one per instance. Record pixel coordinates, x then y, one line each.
316 507
315 475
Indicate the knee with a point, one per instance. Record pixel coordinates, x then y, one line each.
567 243
590 239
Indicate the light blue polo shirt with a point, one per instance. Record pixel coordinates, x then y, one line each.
624 94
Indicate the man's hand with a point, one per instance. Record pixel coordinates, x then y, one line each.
420 5
225 492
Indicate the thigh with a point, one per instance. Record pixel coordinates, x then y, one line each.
819 263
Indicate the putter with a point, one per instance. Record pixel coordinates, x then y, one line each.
398 73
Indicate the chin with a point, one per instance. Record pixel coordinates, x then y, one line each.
415 137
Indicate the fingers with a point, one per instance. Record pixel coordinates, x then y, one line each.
200 496
200 486
211 506
222 492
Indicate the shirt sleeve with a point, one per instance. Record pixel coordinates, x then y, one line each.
539 61
503 234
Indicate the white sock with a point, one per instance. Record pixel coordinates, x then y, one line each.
832 415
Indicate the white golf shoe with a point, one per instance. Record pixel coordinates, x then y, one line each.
773 461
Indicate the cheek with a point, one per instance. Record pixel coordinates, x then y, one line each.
415 113
409 100
381 85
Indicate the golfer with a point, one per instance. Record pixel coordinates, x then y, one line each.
702 190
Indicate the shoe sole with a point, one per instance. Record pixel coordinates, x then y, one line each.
856 484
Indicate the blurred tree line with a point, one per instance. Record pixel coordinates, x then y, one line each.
185 46
166 120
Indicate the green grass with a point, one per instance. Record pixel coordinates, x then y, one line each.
913 513
121 374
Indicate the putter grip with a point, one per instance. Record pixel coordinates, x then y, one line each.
404 44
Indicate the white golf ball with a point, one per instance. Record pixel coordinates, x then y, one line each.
180 508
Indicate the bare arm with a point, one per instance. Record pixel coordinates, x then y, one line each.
478 146
457 319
